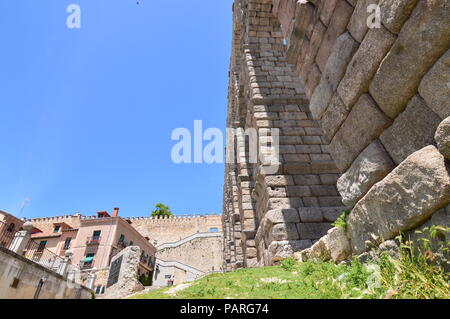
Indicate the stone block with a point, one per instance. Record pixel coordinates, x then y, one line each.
312 230
314 44
338 23
278 180
298 191
404 199
320 250
424 37
370 167
341 55
282 203
442 137
330 214
310 215
338 244
251 253
305 15
326 10
394 13
285 231
278 216
356 133
358 22
324 190
312 80
364 65
126 283
412 130
435 86
320 99
333 117
287 248
330 201
306 179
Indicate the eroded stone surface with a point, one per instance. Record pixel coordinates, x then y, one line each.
333 117
370 167
358 22
412 130
435 86
364 64
356 133
404 199
443 137
394 13
338 244
424 37
127 283
336 65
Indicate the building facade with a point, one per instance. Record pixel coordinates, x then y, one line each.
93 242
187 247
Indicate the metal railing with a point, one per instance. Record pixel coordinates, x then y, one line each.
7 234
94 240
122 244
41 255
33 251
85 266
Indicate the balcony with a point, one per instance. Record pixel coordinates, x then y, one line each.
85 266
95 240
122 244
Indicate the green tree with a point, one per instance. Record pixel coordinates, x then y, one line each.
161 210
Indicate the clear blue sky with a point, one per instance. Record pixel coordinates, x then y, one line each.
87 114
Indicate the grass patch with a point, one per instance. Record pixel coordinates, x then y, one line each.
415 274
292 280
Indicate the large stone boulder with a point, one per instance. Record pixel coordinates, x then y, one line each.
423 39
338 244
435 86
356 133
394 13
370 167
412 130
123 274
403 200
443 137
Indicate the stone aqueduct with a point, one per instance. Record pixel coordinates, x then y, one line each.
357 108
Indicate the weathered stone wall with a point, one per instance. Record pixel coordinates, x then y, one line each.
202 253
127 280
27 275
376 95
166 230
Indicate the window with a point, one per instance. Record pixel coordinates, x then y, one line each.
214 230
88 261
122 238
10 228
42 245
67 243
131 243
96 235
100 290
56 229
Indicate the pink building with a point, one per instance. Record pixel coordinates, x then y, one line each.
95 242
9 224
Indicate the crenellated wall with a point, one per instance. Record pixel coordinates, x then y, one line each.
335 82
174 228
